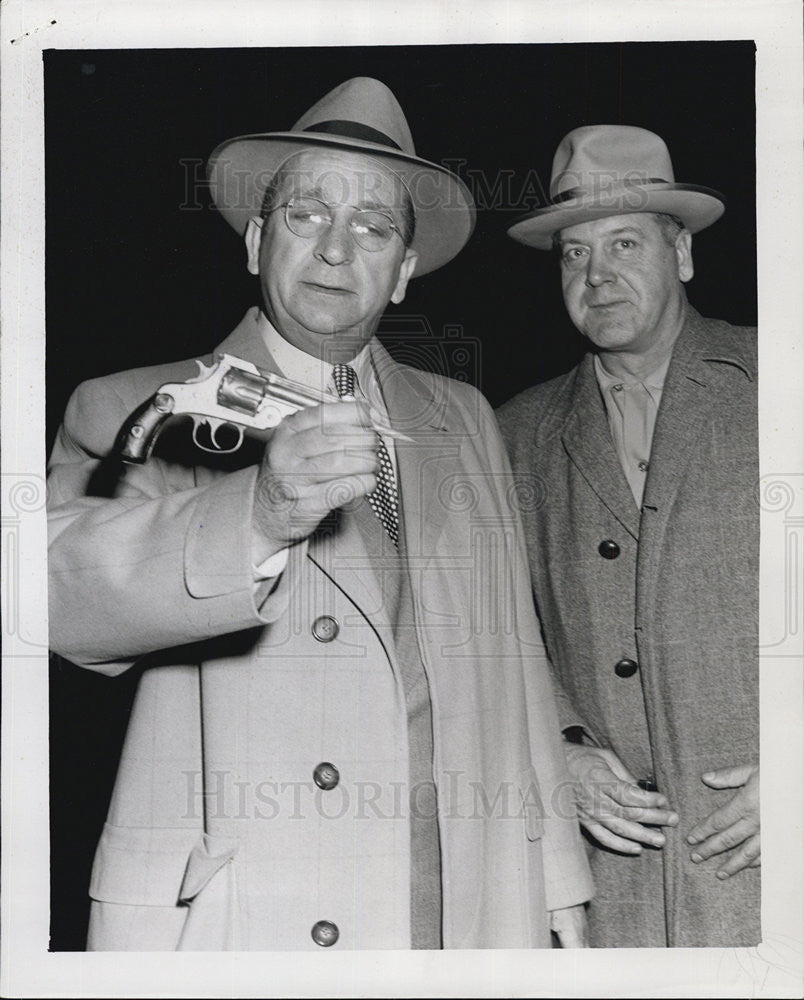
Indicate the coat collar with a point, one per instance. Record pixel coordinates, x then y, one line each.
247 342
706 353
588 442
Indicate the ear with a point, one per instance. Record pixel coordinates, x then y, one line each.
252 237
684 255
406 269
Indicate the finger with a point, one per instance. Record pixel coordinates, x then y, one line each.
651 817
630 830
336 465
569 937
338 414
635 797
728 777
319 440
607 838
338 492
732 812
748 855
724 840
600 784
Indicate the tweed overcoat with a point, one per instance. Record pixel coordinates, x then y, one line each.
680 599
217 836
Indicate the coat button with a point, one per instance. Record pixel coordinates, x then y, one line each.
609 549
625 668
326 776
325 628
648 784
325 933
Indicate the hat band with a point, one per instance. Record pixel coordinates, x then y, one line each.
579 192
353 130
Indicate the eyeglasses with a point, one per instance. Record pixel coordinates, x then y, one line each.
309 218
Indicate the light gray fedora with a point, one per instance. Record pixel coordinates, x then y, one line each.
360 115
603 170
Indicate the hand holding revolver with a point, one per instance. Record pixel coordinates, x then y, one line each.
317 459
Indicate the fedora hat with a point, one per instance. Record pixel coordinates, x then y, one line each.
360 115
602 170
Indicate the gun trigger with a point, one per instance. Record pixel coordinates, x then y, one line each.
197 422
214 426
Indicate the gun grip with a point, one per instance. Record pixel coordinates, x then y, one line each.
140 432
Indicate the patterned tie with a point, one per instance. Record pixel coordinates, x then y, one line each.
384 499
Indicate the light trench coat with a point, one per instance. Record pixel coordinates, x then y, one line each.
217 835
680 599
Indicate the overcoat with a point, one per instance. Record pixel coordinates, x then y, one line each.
218 836
679 599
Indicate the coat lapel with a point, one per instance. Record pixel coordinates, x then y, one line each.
588 442
427 464
703 361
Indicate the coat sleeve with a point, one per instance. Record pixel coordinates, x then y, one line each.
150 562
568 880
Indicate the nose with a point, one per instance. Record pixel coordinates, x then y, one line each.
599 269
335 245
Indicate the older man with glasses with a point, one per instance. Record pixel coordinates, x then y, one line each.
330 745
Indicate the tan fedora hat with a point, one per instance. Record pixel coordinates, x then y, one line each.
360 115
602 170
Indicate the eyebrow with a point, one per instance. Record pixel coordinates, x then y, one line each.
622 231
370 204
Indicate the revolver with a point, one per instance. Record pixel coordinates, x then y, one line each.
230 391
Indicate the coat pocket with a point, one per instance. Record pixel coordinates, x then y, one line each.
209 888
141 866
532 807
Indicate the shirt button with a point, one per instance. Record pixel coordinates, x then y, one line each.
625 668
325 628
609 549
325 933
326 776
643 466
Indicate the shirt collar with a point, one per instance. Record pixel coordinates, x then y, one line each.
302 367
655 380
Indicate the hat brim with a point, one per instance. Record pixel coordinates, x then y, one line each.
240 169
697 207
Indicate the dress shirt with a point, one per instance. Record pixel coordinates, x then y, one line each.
632 406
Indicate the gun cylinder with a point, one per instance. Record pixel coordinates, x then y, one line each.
242 391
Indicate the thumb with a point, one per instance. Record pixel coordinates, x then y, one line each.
728 777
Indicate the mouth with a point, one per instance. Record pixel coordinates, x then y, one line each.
321 289
607 305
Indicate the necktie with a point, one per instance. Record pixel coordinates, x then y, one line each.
384 499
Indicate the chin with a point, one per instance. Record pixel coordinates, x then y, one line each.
609 338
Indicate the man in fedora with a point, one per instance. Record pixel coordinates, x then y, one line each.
329 747
644 553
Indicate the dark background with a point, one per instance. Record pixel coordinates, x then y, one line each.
140 269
